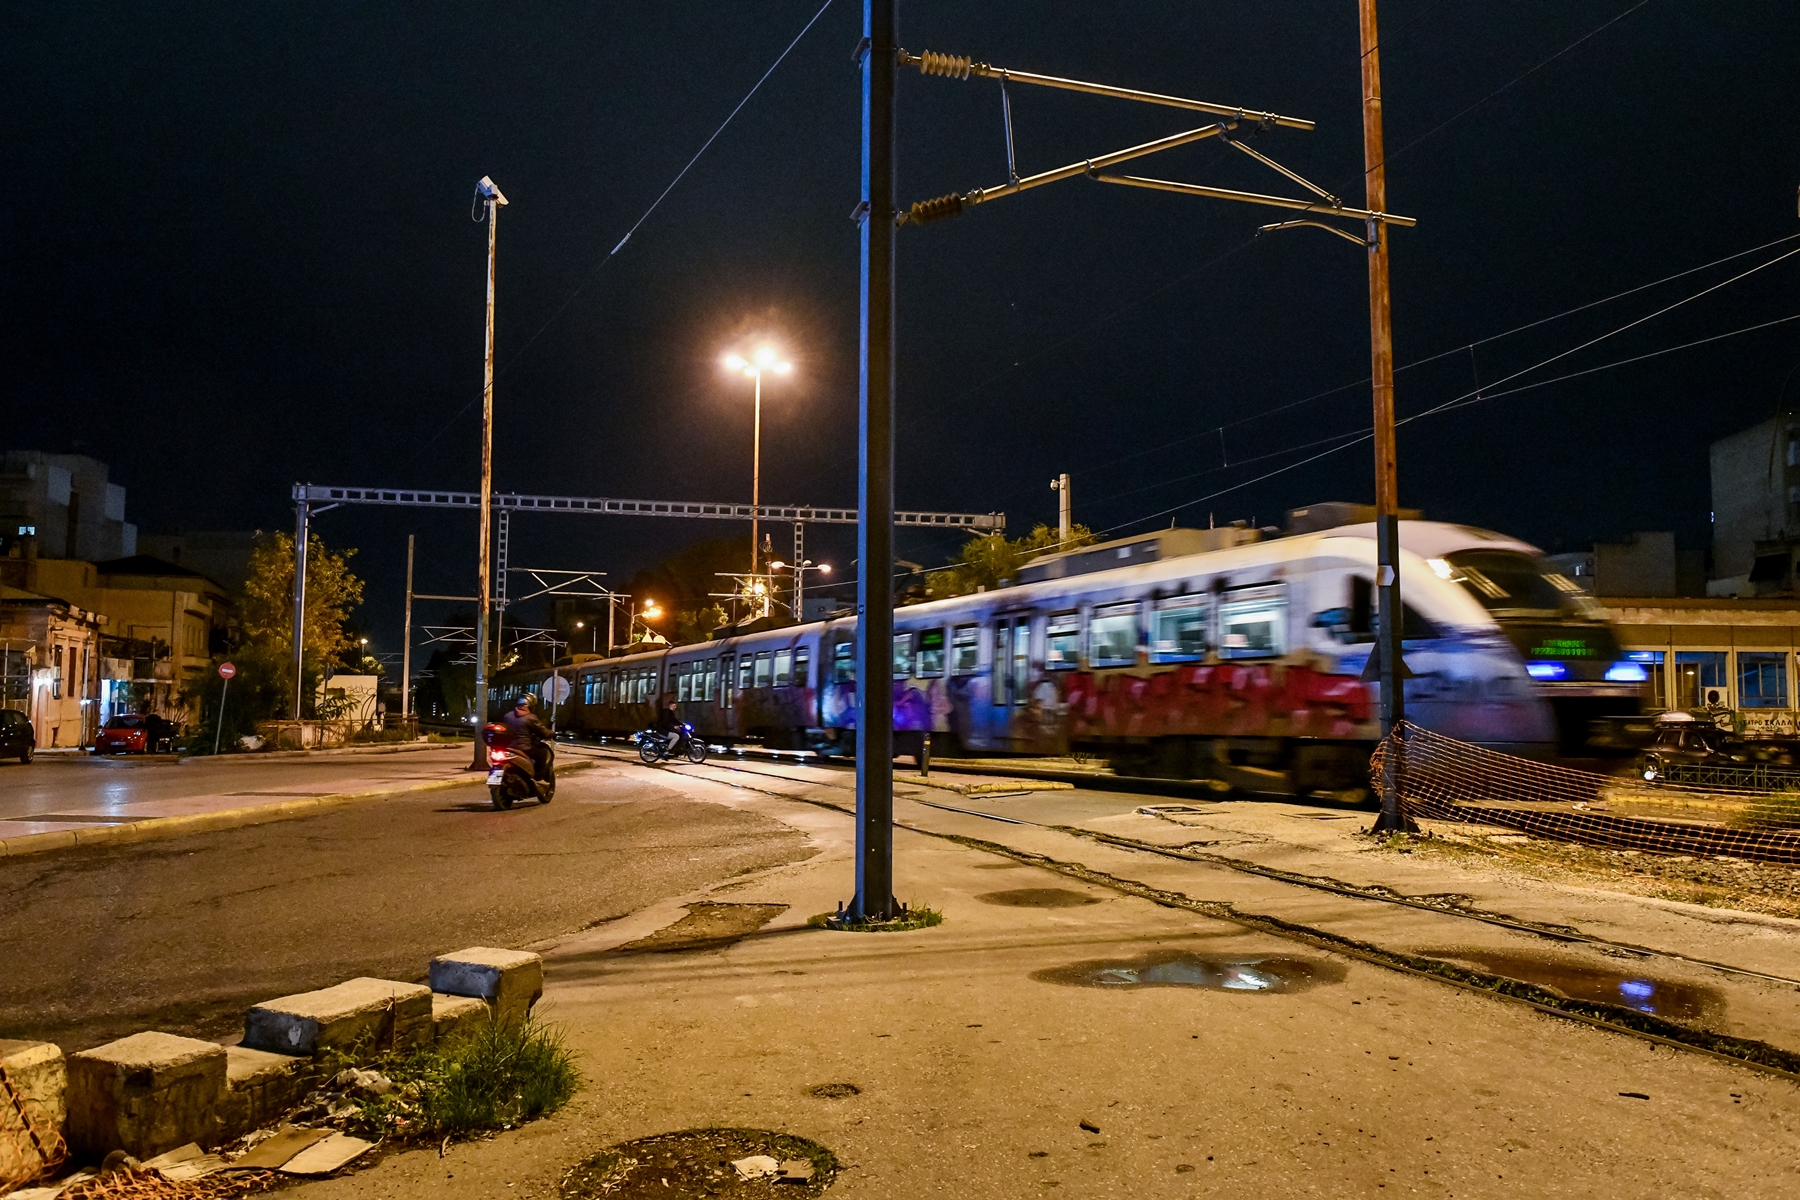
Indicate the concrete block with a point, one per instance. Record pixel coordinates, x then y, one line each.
453 1014
509 980
260 1087
40 1078
357 1016
145 1094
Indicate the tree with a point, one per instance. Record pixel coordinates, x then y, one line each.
987 559
268 613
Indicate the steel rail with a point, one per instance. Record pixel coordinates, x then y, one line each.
1217 193
960 67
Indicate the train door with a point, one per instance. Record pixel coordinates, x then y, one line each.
1011 676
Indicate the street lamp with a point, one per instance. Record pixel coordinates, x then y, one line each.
764 359
652 612
800 569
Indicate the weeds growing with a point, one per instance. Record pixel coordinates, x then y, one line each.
486 1077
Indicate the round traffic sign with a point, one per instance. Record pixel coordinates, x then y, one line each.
556 689
226 670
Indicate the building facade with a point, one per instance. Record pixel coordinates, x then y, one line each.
1733 656
50 665
67 503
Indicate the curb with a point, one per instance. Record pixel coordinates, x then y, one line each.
155 828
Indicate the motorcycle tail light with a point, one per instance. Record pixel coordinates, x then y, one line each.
497 757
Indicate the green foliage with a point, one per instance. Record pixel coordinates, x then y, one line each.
259 692
988 559
487 1076
909 919
268 613
682 585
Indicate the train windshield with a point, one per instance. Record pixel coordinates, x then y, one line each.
1513 585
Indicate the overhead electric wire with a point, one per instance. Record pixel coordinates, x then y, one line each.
1215 430
661 196
1487 391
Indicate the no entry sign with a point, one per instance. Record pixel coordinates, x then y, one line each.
226 670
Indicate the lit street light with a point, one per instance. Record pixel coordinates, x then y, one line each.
800 569
764 359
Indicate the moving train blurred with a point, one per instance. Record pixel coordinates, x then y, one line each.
1225 654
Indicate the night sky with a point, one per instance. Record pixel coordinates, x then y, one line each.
238 253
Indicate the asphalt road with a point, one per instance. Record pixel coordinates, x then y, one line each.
184 934
59 790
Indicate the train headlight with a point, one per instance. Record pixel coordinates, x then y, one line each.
1547 670
1626 671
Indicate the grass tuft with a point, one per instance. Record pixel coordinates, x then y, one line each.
487 1077
910 918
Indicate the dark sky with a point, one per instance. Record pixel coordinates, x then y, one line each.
237 253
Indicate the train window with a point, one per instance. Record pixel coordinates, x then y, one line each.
613 695
725 681
746 671
1021 659
712 679
843 662
1113 636
903 655
1178 631
784 667
1002 643
762 669
802 656
1062 645
1253 623
931 653
683 681
965 650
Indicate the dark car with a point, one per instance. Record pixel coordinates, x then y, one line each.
17 737
133 734
1681 743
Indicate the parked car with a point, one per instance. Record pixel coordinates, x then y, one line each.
17 737
134 734
1682 740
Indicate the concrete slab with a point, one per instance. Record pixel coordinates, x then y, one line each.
509 980
363 1013
451 1015
38 1076
261 1086
145 1094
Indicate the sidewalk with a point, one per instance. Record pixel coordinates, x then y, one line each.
978 1077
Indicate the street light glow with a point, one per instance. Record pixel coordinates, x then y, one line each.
825 567
735 362
766 356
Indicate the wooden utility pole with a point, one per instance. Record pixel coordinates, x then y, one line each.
406 649
490 196
1387 477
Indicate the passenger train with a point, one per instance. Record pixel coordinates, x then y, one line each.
1219 654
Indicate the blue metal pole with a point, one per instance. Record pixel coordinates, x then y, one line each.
875 490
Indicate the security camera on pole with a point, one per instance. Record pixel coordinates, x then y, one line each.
488 202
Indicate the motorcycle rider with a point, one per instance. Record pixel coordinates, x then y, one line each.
530 735
668 727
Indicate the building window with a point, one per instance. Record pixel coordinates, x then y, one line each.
1656 693
1700 679
1762 679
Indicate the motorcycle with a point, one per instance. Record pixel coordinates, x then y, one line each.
512 774
654 747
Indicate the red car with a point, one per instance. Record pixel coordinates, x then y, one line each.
135 735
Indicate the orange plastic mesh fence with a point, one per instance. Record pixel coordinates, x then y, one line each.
1442 779
30 1147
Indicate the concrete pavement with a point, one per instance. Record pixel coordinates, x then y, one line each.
976 1069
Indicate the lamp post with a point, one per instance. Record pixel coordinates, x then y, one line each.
764 359
800 569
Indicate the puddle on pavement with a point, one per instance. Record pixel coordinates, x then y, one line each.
1604 985
1038 898
707 926
1215 972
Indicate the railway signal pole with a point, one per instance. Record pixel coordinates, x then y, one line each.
1389 621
